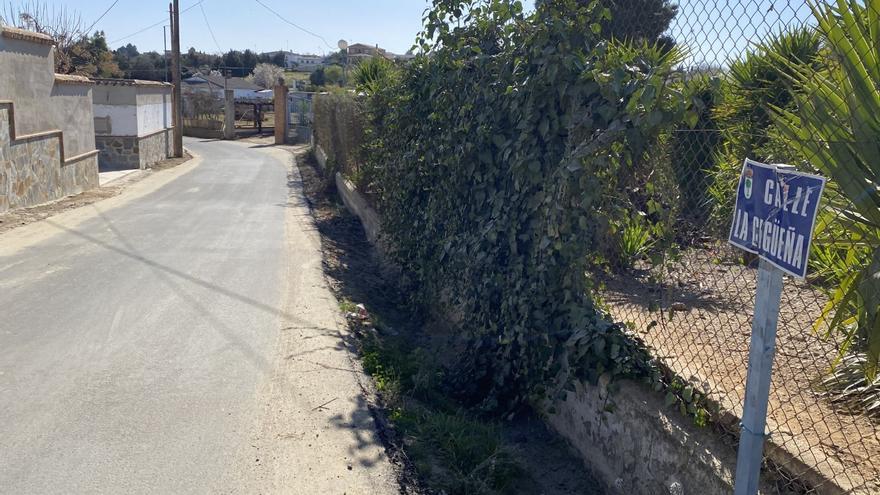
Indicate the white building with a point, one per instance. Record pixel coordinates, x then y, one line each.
132 123
300 62
304 62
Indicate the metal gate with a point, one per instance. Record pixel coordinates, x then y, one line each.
299 117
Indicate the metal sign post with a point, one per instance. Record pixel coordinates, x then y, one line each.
761 351
774 217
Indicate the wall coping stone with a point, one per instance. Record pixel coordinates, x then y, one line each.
106 81
72 79
25 35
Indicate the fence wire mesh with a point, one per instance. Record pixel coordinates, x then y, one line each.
673 279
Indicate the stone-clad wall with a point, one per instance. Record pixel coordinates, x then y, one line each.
154 148
44 100
31 170
47 132
130 152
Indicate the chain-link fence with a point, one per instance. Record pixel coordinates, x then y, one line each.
772 84
300 116
339 123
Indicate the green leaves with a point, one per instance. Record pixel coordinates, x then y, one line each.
836 126
494 156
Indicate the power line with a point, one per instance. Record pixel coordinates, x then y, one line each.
151 26
88 29
205 17
294 24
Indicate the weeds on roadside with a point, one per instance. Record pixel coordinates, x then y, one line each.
453 450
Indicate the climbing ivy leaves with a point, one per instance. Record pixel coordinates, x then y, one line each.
498 148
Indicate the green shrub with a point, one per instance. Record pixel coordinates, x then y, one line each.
836 125
753 85
373 74
694 148
339 130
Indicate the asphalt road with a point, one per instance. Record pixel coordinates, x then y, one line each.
180 338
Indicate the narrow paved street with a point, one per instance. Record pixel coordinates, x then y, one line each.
180 338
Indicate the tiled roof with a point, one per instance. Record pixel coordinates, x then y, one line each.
128 82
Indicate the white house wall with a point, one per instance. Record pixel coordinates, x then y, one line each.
153 117
123 118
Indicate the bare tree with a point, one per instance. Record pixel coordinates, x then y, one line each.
64 25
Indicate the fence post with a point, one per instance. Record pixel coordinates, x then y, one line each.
280 113
229 114
761 351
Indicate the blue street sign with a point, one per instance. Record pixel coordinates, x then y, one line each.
775 213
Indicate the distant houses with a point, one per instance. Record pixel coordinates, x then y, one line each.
360 51
356 52
299 61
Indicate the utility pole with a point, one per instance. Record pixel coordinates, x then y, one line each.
176 115
165 53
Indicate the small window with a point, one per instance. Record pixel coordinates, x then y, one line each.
102 125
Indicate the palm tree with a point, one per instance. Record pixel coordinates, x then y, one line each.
836 125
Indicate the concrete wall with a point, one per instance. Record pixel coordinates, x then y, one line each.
642 446
135 109
356 204
28 79
139 114
47 135
123 118
153 110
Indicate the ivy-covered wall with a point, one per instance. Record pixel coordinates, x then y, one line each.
493 155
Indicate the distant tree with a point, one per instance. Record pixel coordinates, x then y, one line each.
91 57
149 66
124 54
636 19
191 58
317 77
233 61
267 75
336 58
333 74
276 58
195 61
65 26
248 62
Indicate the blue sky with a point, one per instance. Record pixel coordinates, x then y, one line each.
242 24
713 30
